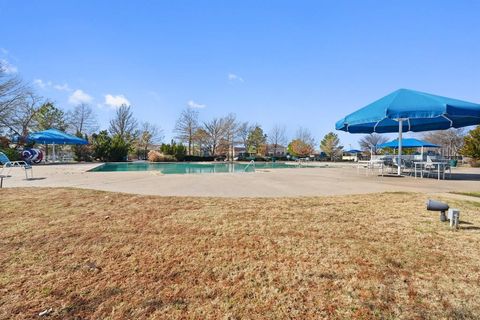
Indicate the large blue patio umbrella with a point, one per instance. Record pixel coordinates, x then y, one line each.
409 110
54 136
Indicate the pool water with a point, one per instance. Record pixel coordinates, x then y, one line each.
189 167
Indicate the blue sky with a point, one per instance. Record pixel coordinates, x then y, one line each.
297 63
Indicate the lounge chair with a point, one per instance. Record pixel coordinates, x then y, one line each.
7 166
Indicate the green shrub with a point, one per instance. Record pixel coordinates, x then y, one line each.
106 148
179 151
101 145
82 152
12 154
119 149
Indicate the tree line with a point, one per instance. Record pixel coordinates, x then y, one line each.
23 111
220 136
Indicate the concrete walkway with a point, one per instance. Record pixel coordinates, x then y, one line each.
264 183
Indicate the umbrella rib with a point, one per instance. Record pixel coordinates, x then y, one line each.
376 124
389 103
451 122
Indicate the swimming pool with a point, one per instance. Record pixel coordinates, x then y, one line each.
189 167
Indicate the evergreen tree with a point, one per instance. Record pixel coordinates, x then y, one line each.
256 141
331 146
471 147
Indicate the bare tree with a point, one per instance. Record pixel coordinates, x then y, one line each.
82 119
215 130
231 134
13 95
277 137
244 130
370 142
304 135
124 124
450 140
186 126
21 120
200 137
149 134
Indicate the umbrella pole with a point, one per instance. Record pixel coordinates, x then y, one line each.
400 128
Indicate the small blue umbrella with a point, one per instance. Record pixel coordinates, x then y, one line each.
409 110
408 143
353 151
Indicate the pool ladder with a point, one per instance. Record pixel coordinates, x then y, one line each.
251 163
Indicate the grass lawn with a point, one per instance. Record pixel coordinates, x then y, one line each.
471 194
97 255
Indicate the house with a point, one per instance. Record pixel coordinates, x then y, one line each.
278 151
239 152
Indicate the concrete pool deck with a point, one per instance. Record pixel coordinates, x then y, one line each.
336 180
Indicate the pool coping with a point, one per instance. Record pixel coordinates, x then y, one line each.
289 165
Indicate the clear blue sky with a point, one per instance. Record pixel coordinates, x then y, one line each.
298 63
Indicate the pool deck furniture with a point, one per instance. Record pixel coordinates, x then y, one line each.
440 167
409 110
371 166
7 166
415 168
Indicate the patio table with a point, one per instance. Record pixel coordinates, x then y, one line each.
439 164
370 165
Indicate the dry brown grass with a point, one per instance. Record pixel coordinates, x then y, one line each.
98 255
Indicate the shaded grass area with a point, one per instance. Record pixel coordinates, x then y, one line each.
90 255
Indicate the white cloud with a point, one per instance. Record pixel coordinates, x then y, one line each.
44 84
40 83
8 67
78 96
195 105
234 77
116 101
62 87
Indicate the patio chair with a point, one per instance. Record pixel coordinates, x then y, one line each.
429 167
433 168
445 167
409 166
395 164
449 168
7 166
